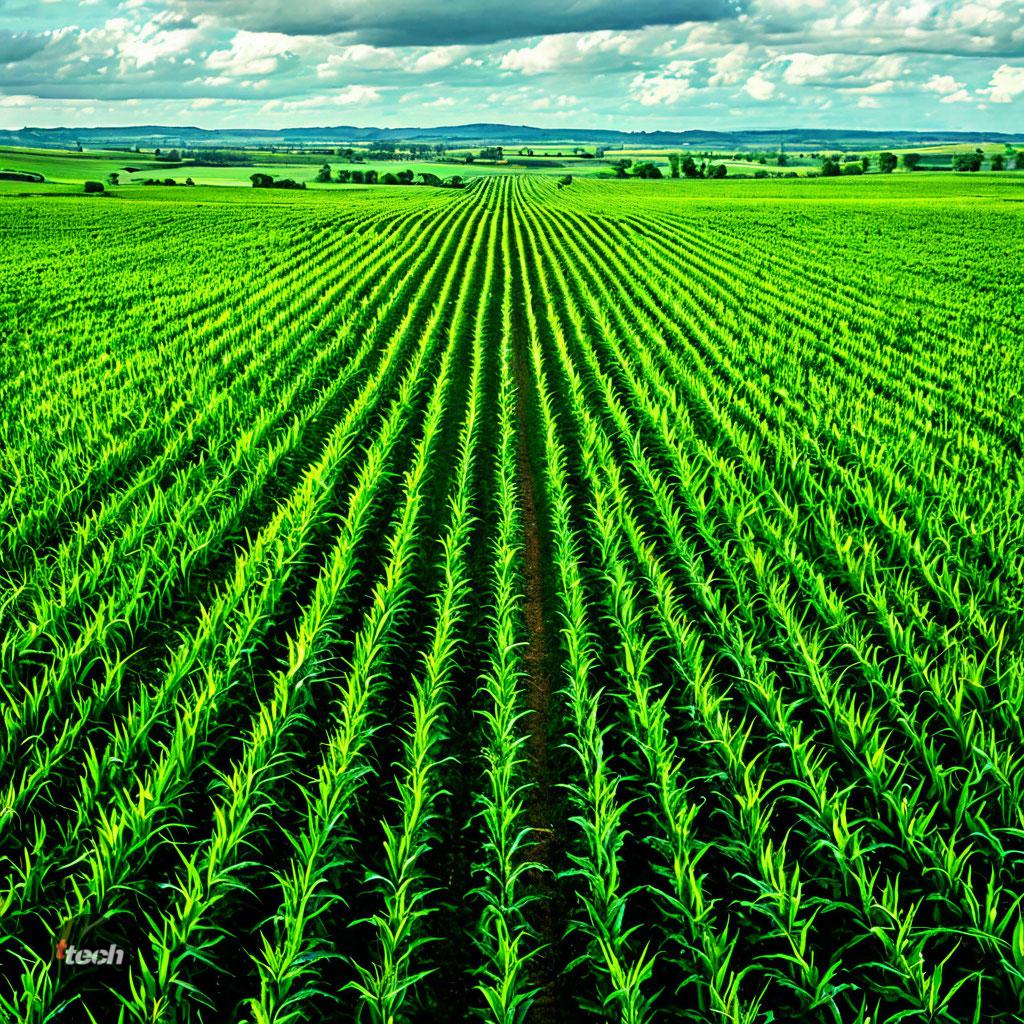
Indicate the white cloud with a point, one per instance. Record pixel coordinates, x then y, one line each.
948 88
152 44
1006 84
438 57
656 89
555 52
354 95
667 87
759 87
350 96
729 67
252 54
838 69
916 13
359 56
897 26
976 15
876 88
942 84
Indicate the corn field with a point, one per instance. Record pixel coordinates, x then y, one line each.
515 604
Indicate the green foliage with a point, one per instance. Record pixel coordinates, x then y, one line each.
647 169
260 180
967 161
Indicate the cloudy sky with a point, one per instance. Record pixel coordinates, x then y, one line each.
635 64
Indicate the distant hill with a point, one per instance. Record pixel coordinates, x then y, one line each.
148 136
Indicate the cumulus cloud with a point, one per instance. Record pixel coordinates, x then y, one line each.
951 90
1006 85
838 69
361 56
553 53
667 87
942 84
994 27
350 96
252 54
439 57
729 67
759 87
153 44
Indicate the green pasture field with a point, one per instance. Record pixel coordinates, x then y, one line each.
71 167
66 171
517 603
63 169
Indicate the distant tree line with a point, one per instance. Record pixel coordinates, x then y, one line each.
831 167
888 162
679 166
170 182
355 176
260 180
217 157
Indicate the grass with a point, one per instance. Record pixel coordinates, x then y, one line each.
63 169
64 172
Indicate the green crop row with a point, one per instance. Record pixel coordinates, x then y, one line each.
518 603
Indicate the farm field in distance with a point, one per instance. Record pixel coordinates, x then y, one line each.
517 603
65 171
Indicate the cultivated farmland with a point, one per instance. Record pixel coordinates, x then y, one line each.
515 603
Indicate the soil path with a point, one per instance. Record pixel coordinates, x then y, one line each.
547 913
